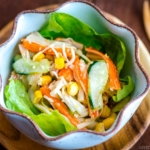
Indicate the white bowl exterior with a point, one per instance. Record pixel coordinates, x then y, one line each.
30 22
76 140
72 141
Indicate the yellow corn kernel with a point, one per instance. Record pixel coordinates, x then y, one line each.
59 63
100 127
38 57
37 96
72 88
108 122
105 98
113 115
106 112
45 80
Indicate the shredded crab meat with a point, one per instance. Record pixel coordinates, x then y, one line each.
64 81
73 104
55 52
42 108
79 52
82 65
56 87
89 122
45 49
71 66
83 125
80 96
66 100
36 37
60 95
52 85
24 52
55 73
70 62
49 100
55 83
64 52
53 70
72 42
34 79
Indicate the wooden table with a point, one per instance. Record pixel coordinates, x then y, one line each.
130 12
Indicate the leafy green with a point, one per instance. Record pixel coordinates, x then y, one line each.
17 99
64 25
120 104
53 124
126 90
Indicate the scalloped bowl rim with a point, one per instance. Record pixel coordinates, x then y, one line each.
39 131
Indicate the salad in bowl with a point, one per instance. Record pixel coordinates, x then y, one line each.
70 78
66 81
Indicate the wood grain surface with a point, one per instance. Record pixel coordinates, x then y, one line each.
135 134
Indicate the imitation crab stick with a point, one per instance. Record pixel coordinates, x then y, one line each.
81 75
67 73
35 47
58 104
80 72
94 113
113 75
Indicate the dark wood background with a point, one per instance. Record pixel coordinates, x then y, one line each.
129 11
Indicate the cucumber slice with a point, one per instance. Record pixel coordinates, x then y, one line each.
27 66
97 79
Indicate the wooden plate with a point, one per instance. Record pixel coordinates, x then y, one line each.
12 139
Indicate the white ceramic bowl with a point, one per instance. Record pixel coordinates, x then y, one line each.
33 20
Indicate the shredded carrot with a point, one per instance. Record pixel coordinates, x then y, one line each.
34 47
58 104
113 75
67 73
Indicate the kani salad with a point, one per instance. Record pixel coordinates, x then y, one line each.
67 77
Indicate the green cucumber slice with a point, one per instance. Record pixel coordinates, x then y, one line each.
97 79
27 66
